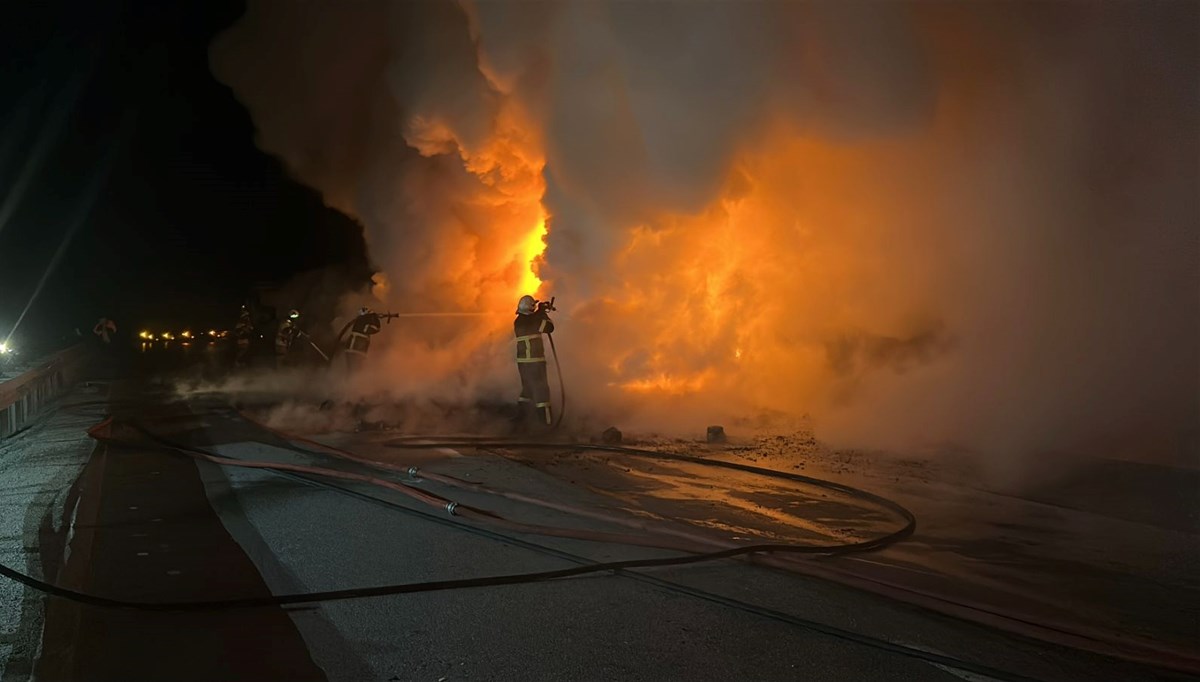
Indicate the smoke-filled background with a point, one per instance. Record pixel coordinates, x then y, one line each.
921 224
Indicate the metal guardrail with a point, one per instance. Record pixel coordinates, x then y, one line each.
24 396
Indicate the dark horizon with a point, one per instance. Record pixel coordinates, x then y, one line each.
189 215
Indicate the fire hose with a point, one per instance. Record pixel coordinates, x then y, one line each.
700 547
649 538
314 345
1081 638
423 442
693 543
487 581
652 537
562 389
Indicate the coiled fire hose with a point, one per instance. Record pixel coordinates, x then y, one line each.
1126 647
648 538
1154 656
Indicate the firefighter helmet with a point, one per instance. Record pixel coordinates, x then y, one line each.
293 313
526 305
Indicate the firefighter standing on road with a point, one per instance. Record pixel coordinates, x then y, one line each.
532 321
104 330
358 341
244 332
288 331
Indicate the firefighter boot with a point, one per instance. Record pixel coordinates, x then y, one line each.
520 419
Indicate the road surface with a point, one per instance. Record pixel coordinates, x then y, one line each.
145 523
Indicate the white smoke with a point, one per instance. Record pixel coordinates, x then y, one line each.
644 105
1018 205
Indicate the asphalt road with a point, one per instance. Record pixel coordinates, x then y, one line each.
147 524
38 468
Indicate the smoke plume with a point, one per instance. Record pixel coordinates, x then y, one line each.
927 222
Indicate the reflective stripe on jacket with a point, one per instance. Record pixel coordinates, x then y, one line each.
359 339
529 329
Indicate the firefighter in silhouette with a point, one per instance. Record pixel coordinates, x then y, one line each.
288 331
358 341
104 330
533 321
244 331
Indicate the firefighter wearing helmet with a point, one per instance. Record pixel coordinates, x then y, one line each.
358 341
288 331
532 321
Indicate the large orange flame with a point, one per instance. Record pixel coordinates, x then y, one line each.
736 305
492 243
530 253
910 215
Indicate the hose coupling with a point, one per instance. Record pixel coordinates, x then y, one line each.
412 471
450 507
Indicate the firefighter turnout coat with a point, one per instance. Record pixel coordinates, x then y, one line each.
361 330
531 361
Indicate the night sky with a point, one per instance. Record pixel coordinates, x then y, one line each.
188 213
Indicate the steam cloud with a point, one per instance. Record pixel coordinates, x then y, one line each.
918 222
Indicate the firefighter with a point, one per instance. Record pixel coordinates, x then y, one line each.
358 340
532 321
244 331
104 330
288 331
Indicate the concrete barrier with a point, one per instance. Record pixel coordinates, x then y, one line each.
23 397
